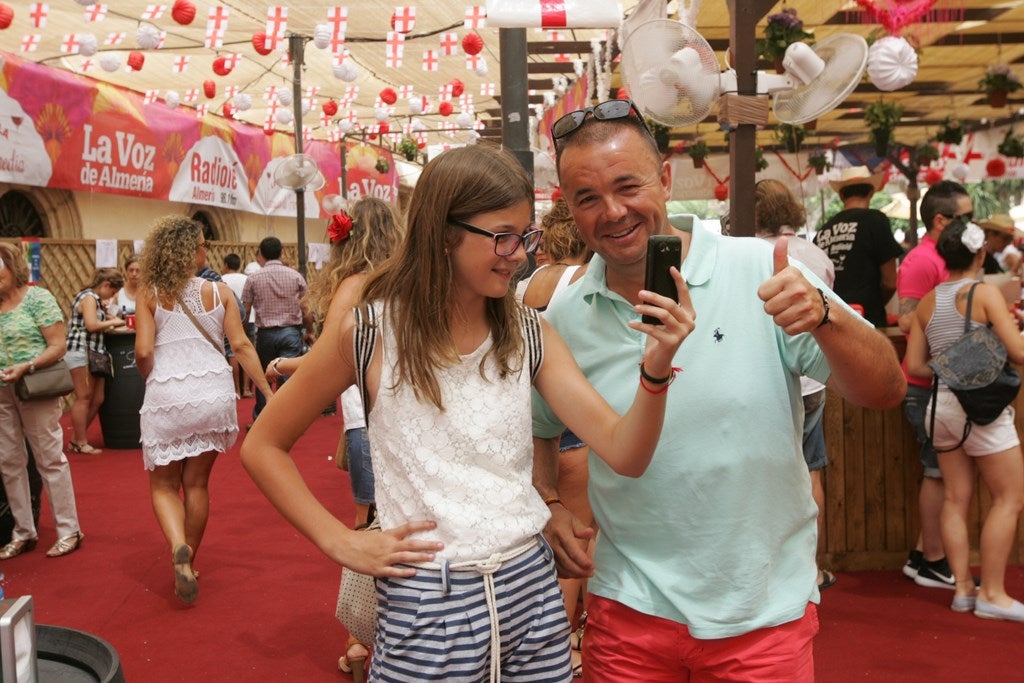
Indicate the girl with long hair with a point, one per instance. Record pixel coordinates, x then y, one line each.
189 413
466 584
992 449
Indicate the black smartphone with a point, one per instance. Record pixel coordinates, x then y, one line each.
663 252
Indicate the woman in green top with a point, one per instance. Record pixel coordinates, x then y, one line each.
31 338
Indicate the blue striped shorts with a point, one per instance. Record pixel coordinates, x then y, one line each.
435 626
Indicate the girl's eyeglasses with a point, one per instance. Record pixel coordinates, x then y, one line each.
506 243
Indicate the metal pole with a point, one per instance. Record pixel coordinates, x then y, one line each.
515 110
296 49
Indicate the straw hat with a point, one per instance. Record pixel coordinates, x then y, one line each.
858 175
1000 222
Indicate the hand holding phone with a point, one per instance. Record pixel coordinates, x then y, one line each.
663 252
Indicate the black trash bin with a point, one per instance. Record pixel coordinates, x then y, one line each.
119 413
66 655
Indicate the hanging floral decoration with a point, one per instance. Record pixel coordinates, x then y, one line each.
339 227
951 131
781 31
998 82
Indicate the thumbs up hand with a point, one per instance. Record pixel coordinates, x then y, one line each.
792 301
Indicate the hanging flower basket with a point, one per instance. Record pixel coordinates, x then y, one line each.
951 131
925 154
1012 145
998 82
408 148
790 136
698 151
819 162
882 118
781 31
661 136
759 161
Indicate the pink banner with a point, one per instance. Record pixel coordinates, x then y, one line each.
61 130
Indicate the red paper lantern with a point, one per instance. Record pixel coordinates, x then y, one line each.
457 87
6 15
421 144
996 168
269 131
388 96
330 107
556 194
372 136
209 89
932 176
445 108
721 192
228 109
259 43
183 12
384 128
472 44
136 60
220 66
622 94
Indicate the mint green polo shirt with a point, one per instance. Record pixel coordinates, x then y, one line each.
719 533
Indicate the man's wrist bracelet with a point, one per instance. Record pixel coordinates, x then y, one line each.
824 302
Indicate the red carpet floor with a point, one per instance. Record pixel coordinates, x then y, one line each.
266 603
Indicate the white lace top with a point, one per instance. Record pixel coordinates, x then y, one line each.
189 406
469 468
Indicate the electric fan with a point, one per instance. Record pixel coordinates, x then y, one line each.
298 172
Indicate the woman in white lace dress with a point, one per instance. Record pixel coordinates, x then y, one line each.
188 415
467 587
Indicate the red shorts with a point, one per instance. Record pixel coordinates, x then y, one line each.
622 646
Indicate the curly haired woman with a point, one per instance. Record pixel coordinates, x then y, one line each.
189 414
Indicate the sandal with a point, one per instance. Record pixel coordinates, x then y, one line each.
185 585
84 448
576 637
828 579
354 660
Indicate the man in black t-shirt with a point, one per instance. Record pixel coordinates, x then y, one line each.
859 241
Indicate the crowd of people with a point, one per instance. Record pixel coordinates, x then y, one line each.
528 445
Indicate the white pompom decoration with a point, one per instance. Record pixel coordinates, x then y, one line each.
147 37
284 116
415 106
242 102
284 96
322 36
344 125
172 99
960 172
417 126
381 113
464 120
472 137
892 63
87 44
346 72
110 62
305 107
481 68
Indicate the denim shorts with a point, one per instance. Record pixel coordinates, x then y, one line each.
360 467
914 406
76 359
568 441
814 431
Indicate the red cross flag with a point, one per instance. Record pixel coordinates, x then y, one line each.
277 24
404 19
272 108
38 13
430 61
405 92
352 91
394 50
473 61
268 123
270 93
69 45
487 90
180 64
312 91
449 44
230 91
160 38
30 42
153 12
444 91
191 94
474 17
95 13
201 110
150 97
216 26
115 38
85 65
232 60
337 18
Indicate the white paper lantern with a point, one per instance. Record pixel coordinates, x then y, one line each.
284 116
416 106
346 71
147 37
417 126
464 120
242 102
110 62
322 36
305 107
472 137
381 113
344 126
172 99
481 68
87 44
892 63
960 172
284 96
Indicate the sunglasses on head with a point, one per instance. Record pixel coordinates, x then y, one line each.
605 111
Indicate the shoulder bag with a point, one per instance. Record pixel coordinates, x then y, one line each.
100 363
52 381
976 370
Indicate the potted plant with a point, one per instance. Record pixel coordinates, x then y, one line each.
382 165
759 161
1012 145
661 135
790 136
408 148
698 151
951 131
882 118
998 82
781 31
925 154
819 162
